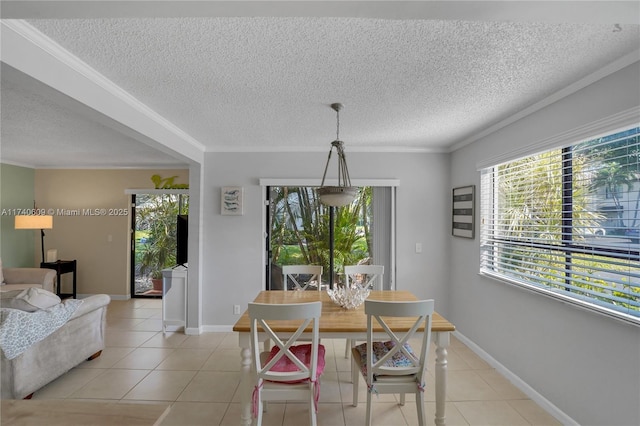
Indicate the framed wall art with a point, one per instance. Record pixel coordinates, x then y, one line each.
463 217
231 200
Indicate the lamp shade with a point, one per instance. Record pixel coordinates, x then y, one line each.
34 222
337 196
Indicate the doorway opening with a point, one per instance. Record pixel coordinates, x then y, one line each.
155 244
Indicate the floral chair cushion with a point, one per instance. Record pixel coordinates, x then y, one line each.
380 349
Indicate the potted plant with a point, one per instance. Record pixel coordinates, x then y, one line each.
156 257
156 280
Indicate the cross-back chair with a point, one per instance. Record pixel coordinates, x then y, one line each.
302 277
367 276
394 366
289 371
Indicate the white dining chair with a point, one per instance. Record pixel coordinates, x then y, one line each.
288 371
302 277
394 366
366 276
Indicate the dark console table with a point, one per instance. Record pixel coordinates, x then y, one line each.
62 267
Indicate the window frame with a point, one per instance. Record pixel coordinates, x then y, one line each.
566 246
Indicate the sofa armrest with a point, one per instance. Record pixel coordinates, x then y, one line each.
42 276
91 303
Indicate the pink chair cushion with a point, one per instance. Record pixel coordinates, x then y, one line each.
303 353
284 364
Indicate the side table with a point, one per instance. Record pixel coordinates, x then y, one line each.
62 267
174 297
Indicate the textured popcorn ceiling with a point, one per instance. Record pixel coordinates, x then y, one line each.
265 84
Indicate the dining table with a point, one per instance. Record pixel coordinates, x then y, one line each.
338 322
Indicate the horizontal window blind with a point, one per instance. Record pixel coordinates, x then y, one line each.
567 221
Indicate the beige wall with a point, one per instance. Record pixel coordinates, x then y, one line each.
100 242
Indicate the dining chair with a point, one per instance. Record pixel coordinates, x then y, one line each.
369 276
302 277
299 277
288 371
394 366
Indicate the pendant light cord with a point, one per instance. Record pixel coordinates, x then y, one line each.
343 173
337 124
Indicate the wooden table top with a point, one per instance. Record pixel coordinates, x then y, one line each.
336 319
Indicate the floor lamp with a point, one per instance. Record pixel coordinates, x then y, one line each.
40 222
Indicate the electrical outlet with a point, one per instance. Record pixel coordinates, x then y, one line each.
418 247
236 309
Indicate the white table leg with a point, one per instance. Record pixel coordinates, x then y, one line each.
245 386
441 340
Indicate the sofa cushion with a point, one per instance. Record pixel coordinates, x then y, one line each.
33 299
6 297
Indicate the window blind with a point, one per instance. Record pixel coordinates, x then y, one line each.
566 222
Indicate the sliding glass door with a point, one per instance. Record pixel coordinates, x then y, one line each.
153 239
299 230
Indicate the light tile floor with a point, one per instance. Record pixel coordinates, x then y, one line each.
199 376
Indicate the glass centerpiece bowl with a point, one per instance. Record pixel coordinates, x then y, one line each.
348 298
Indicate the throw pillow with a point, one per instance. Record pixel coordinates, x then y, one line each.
33 299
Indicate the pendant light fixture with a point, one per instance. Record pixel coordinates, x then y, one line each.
344 193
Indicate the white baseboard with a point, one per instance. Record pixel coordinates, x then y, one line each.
193 331
547 405
112 296
217 328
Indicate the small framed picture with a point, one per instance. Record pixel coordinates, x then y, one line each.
231 200
463 218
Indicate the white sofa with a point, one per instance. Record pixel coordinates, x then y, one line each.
21 278
81 338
